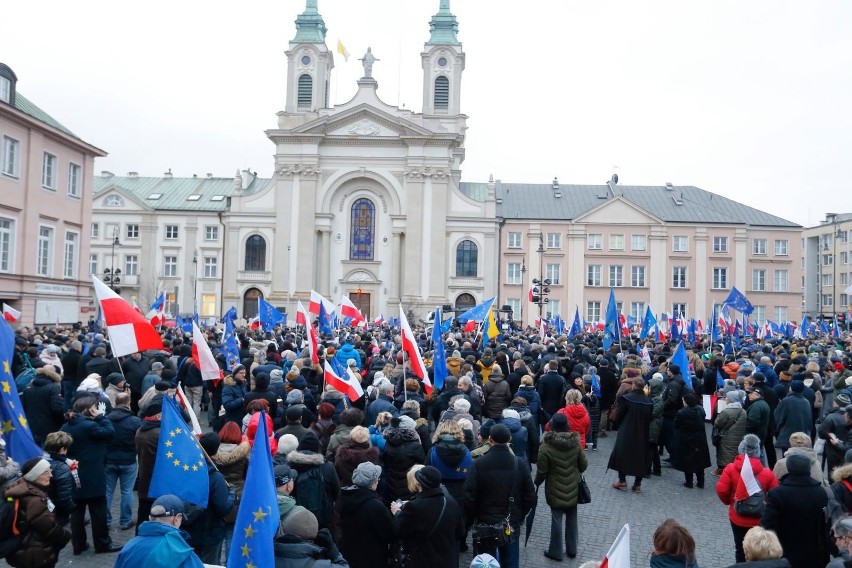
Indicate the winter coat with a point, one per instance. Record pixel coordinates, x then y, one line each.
439 405
692 453
416 521
630 454
377 439
43 403
302 461
266 395
841 492
233 399
794 512
488 487
656 414
61 490
452 458
520 438
91 437
498 395
121 449
758 418
349 455
730 487
834 422
158 545
529 422
771 563
135 371
367 528
232 461
293 552
44 536
338 437
531 396
346 352
381 404
550 387
793 414
666 561
780 469
147 439
609 386
673 396
209 528
578 421
454 365
251 431
484 366
561 460
402 450
731 423
323 428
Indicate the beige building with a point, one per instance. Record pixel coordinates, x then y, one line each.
46 184
827 280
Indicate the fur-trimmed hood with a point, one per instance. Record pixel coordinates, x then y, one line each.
842 472
562 440
231 382
231 454
331 397
399 436
49 372
301 459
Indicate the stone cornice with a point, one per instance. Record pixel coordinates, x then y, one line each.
288 170
426 172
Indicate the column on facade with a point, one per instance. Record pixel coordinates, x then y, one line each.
659 267
413 242
323 270
396 268
575 273
741 259
699 283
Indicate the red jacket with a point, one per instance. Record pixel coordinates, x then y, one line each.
578 421
730 487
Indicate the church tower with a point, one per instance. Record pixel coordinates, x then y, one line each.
443 62
309 64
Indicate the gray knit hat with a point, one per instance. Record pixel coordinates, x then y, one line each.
750 446
366 474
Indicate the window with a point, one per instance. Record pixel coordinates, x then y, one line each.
720 278
553 272
593 311
594 242
515 305
616 276
844 279
513 273
255 253
759 315
780 314
170 303
11 159
171 232
637 276
6 248
758 246
208 305
720 244
93 263
467 255
69 264
680 244
781 281
827 300
758 280
679 309
45 251
616 242
305 93
5 90
827 260
131 265
113 201
781 247
362 230
442 93
514 240
827 280
75 181
553 308
844 258
554 240
154 196
637 310
169 266
844 299
593 275
679 277
211 267
218 198
132 231
96 229
211 233
48 171
194 197
638 242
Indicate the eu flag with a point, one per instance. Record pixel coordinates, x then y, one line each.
229 315
324 321
681 360
648 323
268 314
229 345
257 518
20 445
612 326
439 357
739 302
180 468
478 312
576 328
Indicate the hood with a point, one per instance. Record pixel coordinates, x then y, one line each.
356 452
575 411
656 387
399 436
229 453
302 460
842 472
454 363
487 360
231 382
290 546
562 440
149 425
332 397
450 450
513 424
354 498
809 453
496 375
49 373
21 488
286 504
523 411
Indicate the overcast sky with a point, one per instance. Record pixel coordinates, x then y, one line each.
747 99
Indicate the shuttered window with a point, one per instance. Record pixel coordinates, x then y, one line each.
306 90
442 93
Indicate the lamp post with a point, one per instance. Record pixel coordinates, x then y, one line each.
541 285
289 309
112 275
195 282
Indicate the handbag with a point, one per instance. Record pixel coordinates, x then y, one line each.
752 506
584 494
716 436
399 557
489 537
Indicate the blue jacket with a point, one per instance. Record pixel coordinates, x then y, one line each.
345 353
381 404
158 546
520 437
769 373
233 394
209 528
532 398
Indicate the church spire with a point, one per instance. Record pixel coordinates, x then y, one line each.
443 26
310 27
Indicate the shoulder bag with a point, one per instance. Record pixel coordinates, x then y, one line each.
491 537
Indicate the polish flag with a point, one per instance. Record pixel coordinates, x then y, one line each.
193 419
314 305
136 307
349 310
619 553
202 355
348 384
409 345
157 311
379 320
129 331
10 314
625 331
255 322
531 295
470 326
661 337
301 314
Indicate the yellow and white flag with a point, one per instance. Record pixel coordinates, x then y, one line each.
341 49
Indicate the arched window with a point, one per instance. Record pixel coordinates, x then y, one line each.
256 253
363 230
442 93
466 257
306 92
250 302
465 301
113 201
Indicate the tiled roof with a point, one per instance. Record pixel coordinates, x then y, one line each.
677 204
174 192
24 105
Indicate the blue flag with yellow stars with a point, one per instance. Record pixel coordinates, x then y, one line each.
20 445
257 518
180 468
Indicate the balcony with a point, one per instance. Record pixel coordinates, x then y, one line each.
466 283
257 276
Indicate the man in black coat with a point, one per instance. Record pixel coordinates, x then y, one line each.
43 403
121 465
102 366
550 387
771 399
672 402
134 369
71 379
609 387
487 493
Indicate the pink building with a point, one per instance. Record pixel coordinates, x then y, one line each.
45 212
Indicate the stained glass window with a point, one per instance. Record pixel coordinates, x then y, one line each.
363 229
466 258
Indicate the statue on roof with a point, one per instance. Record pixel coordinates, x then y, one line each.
367 61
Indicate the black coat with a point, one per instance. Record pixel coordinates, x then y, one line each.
71 366
420 517
794 511
693 454
91 437
102 367
630 454
772 563
135 371
609 386
550 387
673 396
367 527
44 406
402 450
122 448
61 490
487 488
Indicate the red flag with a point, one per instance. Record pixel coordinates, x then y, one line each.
348 385
409 345
470 325
129 331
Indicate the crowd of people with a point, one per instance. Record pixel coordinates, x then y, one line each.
409 475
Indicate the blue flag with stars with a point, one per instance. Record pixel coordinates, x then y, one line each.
439 357
576 327
229 315
257 518
20 445
681 360
612 327
229 345
180 468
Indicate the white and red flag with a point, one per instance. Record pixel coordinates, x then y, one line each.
409 345
193 419
619 553
157 311
129 331
202 355
316 300
349 385
349 310
10 314
301 314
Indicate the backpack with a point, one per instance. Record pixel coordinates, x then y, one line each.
310 493
11 538
26 376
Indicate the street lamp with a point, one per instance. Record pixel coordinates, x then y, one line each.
523 284
112 275
195 281
541 285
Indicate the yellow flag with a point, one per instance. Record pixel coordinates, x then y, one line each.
491 329
341 49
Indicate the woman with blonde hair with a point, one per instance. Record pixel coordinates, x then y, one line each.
762 548
377 430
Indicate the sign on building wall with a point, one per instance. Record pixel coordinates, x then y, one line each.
49 312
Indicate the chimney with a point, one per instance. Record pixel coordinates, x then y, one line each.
247 178
669 186
168 174
209 175
107 174
133 174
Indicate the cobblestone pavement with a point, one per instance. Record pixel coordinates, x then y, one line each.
661 498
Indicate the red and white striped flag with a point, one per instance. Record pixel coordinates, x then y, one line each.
203 357
10 314
409 345
348 385
193 419
349 310
619 553
129 331
313 341
316 300
301 314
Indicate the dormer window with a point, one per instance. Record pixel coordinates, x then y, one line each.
7 84
113 201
